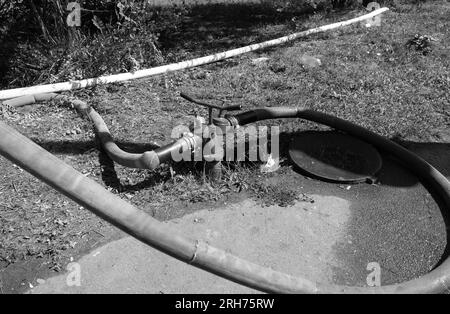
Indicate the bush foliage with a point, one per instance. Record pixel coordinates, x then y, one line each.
115 36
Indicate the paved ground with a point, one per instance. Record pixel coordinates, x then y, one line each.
291 239
396 224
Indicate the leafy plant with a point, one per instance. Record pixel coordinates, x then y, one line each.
421 43
115 36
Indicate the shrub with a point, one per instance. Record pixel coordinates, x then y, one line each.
113 38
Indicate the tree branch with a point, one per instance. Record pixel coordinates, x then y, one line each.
44 29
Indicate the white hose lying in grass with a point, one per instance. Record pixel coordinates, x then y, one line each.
65 86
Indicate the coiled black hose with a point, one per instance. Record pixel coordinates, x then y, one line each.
94 197
147 160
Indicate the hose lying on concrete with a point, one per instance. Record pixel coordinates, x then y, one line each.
147 160
86 192
72 85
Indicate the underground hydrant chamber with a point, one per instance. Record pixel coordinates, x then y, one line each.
334 157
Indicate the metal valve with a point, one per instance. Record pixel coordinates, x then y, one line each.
222 109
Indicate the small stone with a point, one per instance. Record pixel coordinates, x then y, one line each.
40 281
310 62
271 165
260 60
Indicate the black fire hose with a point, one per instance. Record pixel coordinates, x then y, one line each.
94 197
147 160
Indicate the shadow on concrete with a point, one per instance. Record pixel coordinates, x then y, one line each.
393 174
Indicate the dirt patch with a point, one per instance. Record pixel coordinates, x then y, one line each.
268 194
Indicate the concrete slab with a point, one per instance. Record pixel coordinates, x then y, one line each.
298 240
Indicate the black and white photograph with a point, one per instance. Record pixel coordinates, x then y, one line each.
216 155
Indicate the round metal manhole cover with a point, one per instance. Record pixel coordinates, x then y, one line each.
334 157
